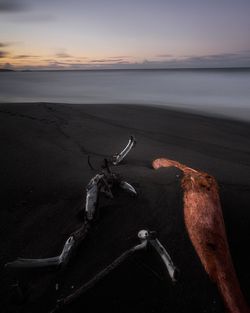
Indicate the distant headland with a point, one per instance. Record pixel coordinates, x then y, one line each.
6 70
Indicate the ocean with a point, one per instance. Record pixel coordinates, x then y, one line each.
223 92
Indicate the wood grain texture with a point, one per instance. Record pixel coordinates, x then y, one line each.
205 226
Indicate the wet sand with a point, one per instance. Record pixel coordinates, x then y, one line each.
44 150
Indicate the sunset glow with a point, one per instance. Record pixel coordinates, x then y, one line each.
117 34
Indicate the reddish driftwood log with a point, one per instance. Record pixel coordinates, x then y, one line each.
205 225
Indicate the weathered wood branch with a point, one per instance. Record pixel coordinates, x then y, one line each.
206 229
147 238
117 158
81 290
128 187
59 261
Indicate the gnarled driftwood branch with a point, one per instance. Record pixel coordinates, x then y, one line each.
206 229
61 260
147 238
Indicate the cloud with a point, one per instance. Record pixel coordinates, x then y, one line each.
240 59
107 60
4 44
222 60
55 63
3 54
9 6
116 60
24 56
113 59
99 61
164 56
25 8
63 55
119 57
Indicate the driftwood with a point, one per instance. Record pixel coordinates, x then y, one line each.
126 186
92 193
59 261
101 182
147 238
105 181
206 229
150 237
117 158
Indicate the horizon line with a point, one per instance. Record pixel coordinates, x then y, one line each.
128 69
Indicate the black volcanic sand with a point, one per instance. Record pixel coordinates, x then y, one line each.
44 171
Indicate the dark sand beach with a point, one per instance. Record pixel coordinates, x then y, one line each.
44 172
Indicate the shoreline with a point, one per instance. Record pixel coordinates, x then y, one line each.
172 108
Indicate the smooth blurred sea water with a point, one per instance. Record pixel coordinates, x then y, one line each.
224 92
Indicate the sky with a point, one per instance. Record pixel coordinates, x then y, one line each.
90 34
